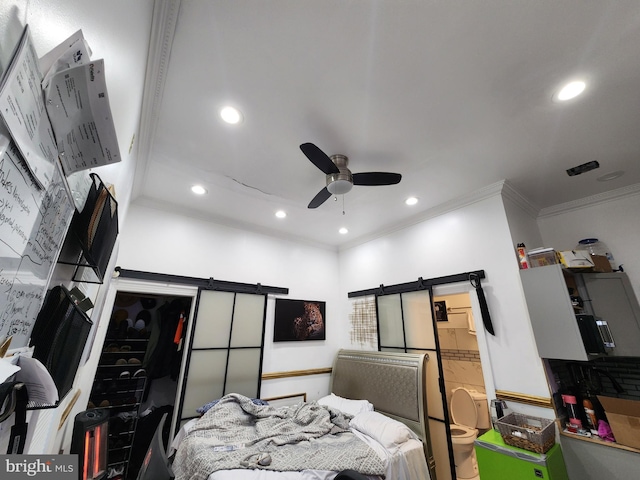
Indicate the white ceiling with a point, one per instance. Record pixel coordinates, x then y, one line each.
455 95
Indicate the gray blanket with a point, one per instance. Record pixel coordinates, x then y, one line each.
236 433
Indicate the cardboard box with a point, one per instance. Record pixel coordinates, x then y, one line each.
575 259
624 419
601 263
541 257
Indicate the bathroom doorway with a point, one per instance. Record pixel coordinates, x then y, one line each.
459 351
442 324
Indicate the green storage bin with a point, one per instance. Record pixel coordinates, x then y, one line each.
499 461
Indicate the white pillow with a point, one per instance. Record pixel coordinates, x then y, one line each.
345 405
387 431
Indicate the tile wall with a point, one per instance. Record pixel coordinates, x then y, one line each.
459 347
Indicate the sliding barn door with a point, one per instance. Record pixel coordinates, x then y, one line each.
225 354
406 324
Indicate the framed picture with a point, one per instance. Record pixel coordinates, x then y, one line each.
441 311
297 320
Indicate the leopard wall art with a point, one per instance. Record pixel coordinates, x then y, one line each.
310 325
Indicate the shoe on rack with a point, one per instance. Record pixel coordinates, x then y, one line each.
125 375
140 373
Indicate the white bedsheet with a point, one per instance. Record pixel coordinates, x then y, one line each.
406 463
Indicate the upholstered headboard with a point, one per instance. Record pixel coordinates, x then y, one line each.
393 382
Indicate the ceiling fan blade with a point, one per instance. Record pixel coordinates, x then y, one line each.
319 158
376 178
322 196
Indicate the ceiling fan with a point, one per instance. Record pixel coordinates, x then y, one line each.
339 177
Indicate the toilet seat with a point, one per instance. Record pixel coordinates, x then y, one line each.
460 432
464 411
464 414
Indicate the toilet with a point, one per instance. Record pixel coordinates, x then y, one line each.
470 413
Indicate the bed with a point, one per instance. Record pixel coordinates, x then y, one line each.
241 440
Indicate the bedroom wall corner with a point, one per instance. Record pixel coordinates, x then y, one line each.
155 240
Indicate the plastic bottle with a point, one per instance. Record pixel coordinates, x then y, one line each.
571 403
522 256
596 247
590 413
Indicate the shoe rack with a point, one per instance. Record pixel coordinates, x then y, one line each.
119 386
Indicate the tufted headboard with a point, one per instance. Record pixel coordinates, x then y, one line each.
393 382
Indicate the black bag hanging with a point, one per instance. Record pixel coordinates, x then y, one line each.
484 308
59 336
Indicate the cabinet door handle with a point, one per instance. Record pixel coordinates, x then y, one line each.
605 334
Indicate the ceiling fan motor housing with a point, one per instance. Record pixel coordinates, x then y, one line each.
340 183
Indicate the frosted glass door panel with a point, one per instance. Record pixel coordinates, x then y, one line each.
247 321
438 434
395 350
390 327
418 321
244 372
226 352
205 381
213 323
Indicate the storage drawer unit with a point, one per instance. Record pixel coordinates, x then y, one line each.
499 461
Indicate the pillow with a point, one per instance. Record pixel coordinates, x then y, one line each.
203 409
345 405
387 431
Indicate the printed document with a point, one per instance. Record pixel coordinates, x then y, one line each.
22 107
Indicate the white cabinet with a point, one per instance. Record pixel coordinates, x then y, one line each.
553 318
610 296
552 315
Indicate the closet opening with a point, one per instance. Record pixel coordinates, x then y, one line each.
158 383
138 373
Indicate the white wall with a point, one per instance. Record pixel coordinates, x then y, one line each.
153 240
125 57
613 218
473 237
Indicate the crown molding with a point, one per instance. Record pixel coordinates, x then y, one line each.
509 193
585 202
163 28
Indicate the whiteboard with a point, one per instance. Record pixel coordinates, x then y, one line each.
33 224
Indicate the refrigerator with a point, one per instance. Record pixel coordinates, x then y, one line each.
499 461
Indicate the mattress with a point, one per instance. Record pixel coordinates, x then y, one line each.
406 462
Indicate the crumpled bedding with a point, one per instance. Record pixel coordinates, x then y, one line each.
236 433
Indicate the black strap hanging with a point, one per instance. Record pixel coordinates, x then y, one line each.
14 396
484 309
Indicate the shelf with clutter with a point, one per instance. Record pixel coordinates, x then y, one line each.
92 234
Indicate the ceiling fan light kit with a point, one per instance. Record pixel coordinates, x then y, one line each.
339 178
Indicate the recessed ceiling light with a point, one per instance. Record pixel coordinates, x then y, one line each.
198 190
571 90
231 115
281 214
343 231
610 176
411 201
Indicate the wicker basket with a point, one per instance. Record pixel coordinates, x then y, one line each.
524 431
